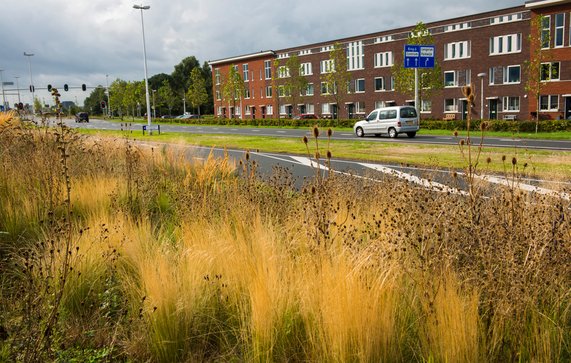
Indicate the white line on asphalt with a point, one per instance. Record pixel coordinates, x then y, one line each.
281 132
526 187
255 130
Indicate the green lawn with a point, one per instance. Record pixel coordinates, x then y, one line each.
540 163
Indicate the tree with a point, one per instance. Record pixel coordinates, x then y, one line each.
207 74
181 74
167 95
233 88
197 93
337 78
429 79
296 83
92 103
535 69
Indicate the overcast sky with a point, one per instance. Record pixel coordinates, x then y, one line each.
80 41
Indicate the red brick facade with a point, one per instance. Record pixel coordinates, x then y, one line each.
487 49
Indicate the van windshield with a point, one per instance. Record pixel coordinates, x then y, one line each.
408 112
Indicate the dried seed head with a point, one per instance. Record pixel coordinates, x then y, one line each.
329 132
467 91
315 131
503 158
305 140
462 142
489 160
514 160
328 154
484 126
455 133
247 155
317 155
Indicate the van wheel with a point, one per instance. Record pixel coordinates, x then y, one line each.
411 134
393 133
359 132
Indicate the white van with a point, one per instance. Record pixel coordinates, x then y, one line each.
389 120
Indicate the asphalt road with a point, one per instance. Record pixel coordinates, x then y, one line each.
303 167
561 145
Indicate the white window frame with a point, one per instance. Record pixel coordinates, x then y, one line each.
325 109
283 72
506 71
559 30
550 103
383 59
550 71
451 108
426 106
360 107
506 104
310 109
383 85
268 69
305 69
269 91
454 82
217 76
218 96
458 50
357 88
326 66
269 110
506 44
310 87
245 72
546 32
355 55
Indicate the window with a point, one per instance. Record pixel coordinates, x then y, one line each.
392 83
559 30
248 110
268 91
505 44
492 73
305 52
268 69
325 109
309 90
383 59
512 74
360 107
269 109
457 50
506 18
327 66
283 72
450 105
219 110
549 103
283 110
246 93
218 98
545 31
327 48
217 75
355 55
305 69
510 104
455 27
325 88
379 84
281 91
426 106
450 79
309 108
245 72
360 85
550 71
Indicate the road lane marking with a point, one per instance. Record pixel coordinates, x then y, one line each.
525 187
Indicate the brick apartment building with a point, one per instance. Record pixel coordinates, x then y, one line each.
487 50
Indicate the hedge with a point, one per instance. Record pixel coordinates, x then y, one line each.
460 125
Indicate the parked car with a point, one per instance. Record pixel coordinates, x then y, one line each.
166 116
187 116
305 116
389 120
82 117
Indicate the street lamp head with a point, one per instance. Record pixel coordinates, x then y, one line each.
28 54
482 74
141 7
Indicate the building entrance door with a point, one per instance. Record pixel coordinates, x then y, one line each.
493 109
568 108
464 109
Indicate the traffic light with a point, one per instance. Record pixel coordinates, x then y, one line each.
65 87
102 104
49 87
83 87
32 89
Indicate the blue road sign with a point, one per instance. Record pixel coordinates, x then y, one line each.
419 56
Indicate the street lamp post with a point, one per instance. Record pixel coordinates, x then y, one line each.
108 96
29 55
481 75
147 7
18 88
3 94
154 108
